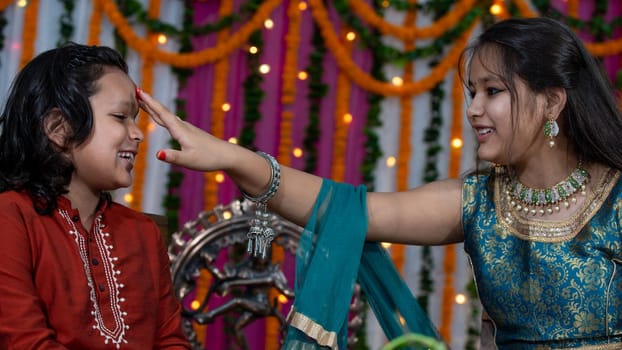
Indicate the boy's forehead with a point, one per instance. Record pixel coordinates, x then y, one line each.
117 90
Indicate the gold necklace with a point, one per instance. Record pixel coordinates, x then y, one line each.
546 200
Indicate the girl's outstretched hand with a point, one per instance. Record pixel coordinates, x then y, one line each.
199 150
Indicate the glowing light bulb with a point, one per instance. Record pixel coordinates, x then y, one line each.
264 69
282 299
297 152
391 161
347 118
162 39
128 198
460 299
496 9
456 142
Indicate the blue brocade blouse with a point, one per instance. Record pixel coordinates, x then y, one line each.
547 285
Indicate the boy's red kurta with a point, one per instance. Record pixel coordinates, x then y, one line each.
62 287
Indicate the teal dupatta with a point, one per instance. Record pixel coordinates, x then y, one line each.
332 256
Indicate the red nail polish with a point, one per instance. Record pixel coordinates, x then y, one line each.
161 155
137 92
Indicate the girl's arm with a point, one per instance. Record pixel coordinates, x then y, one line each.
426 215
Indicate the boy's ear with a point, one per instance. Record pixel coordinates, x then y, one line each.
56 128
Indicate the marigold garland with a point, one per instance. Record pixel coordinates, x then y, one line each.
607 48
217 122
204 281
437 28
364 80
193 59
288 95
504 13
219 97
573 8
29 33
6 3
95 24
292 42
343 89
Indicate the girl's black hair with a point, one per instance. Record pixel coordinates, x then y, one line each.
57 81
547 54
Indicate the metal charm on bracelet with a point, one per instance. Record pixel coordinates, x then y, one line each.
260 234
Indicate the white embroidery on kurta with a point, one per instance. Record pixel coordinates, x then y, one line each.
117 334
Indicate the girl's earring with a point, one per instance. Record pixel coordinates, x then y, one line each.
551 129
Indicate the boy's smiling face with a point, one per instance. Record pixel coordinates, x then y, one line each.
106 159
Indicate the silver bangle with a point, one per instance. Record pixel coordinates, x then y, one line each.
275 181
260 234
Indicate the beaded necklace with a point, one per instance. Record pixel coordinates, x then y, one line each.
546 200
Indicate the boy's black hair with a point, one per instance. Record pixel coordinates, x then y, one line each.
57 81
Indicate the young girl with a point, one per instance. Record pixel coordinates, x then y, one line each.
542 229
77 271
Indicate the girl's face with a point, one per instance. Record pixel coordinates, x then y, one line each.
504 136
105 160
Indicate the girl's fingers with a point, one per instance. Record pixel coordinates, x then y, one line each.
156 110
161 115
180 158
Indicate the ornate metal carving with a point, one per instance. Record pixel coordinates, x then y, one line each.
248 280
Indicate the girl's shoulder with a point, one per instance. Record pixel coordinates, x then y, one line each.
478 181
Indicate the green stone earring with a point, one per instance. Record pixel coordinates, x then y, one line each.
551 129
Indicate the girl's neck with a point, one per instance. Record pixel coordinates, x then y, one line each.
546 167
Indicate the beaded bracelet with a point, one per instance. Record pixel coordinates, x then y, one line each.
260 234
